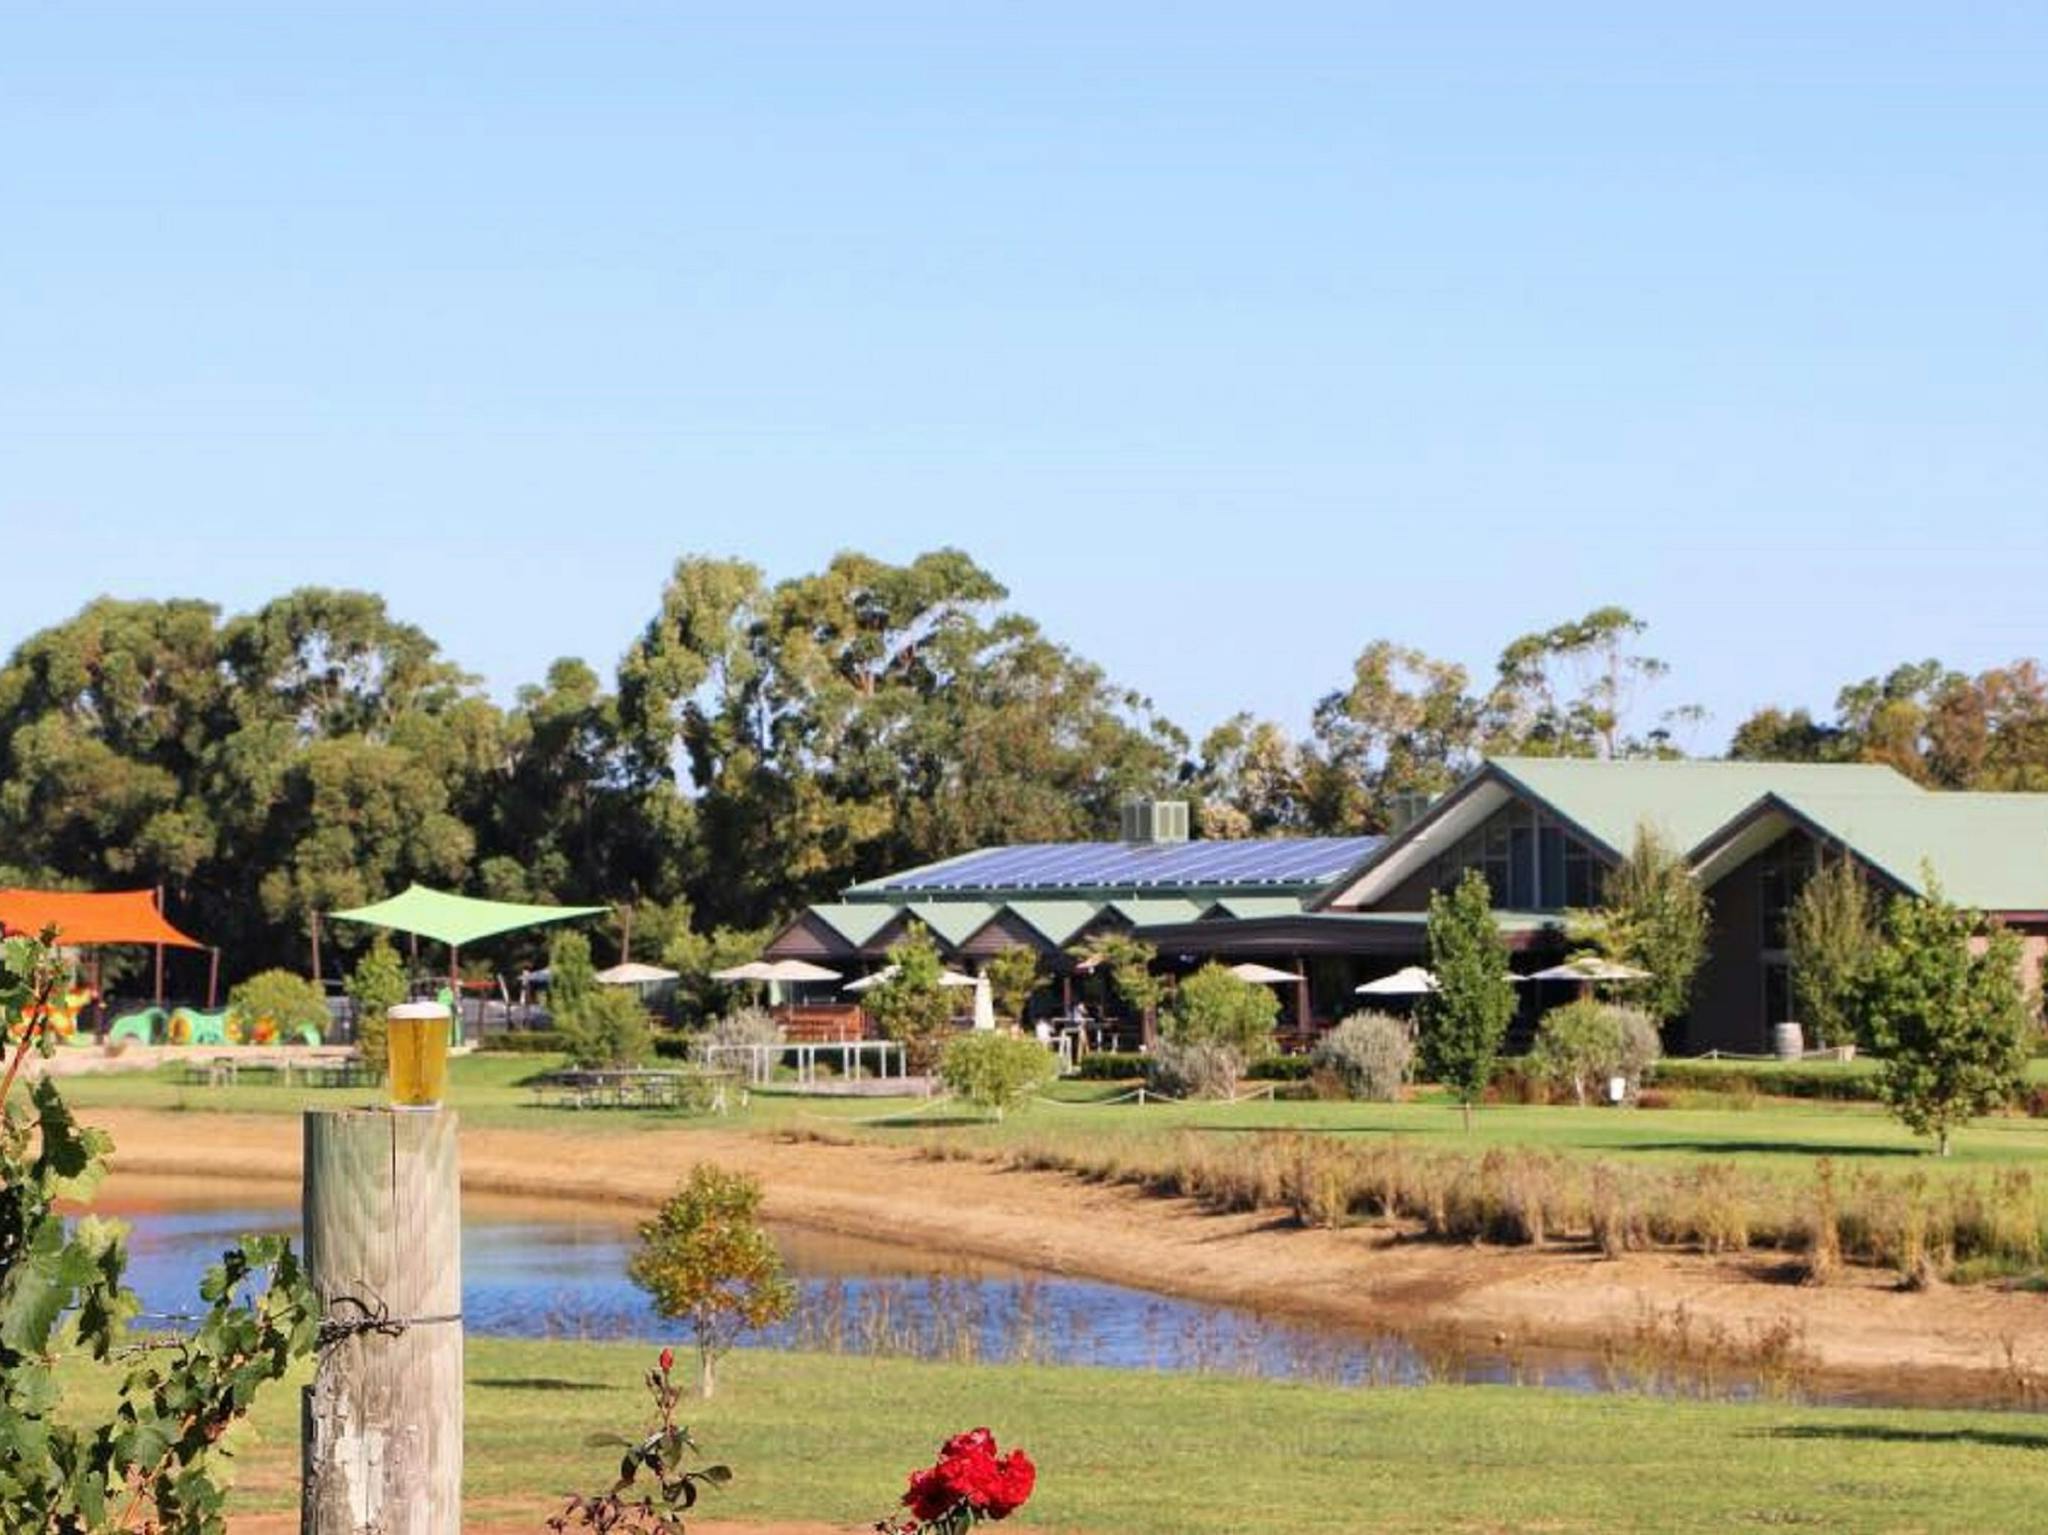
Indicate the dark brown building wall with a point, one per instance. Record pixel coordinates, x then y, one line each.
1729 1010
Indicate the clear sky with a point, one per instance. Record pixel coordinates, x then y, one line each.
1229 336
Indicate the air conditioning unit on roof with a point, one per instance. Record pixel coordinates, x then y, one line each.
1155 820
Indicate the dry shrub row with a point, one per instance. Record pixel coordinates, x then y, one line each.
1920 1225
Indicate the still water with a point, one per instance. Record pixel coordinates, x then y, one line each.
546 1270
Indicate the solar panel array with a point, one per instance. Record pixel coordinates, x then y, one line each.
1140 866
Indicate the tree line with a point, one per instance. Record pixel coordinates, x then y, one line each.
761 744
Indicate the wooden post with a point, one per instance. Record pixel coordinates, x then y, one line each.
212 977
316 953
626 942
381 1426
1302 1021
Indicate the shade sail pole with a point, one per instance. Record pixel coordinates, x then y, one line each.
159 951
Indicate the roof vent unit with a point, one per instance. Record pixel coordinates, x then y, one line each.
1155 821
1405 808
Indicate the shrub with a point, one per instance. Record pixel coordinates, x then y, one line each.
911 1006
1013 976
1281 1068
705 1260
275 1004
743 1026
523 1042
609 1028
1214 1007
1115 1066
1197 1070
995 1071
1370 1053
1584 1043
375 986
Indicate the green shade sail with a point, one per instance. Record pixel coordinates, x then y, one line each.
458 919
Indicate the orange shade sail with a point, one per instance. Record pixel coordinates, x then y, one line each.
81 917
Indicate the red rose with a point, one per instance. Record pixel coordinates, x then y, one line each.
929 1497
668 1360
975 1439
1015 1479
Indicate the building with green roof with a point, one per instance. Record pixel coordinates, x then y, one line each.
1543 831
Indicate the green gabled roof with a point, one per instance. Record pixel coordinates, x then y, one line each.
856 921
1242 906
1055 921
953 921
1687 802
1988 851
1143 913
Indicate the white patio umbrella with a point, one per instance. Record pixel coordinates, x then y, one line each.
1263 975
888 973
1591 968
984 1005
633 973
1413 981
797 970
752 970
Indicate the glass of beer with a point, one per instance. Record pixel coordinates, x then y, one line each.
418 1042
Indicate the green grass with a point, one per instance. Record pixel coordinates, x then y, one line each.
1770 1135
831 1438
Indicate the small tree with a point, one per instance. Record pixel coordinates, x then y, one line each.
274 1005
1654 916
609 1028
1128 962
1214 1007
995 1072
1951 1022
1013 977
1370 1053
1831 932
1585 1043
911 1006
1466 1017
572 979
704 1260
375 986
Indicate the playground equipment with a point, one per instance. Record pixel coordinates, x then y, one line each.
189 1026
145 1026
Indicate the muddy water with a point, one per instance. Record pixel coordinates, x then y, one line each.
542 1269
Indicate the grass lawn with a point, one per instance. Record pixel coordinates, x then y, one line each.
1768 1134
830 1438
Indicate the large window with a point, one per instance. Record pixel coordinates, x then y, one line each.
1530 865
1780 875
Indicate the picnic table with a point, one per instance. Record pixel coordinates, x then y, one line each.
639 1088
320 1071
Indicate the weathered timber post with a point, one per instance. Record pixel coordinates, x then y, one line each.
381 1427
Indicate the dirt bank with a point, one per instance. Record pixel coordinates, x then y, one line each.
1861 1327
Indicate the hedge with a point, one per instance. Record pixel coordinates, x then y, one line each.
1833 1080
522 1042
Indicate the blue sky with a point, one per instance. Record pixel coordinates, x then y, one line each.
1231 337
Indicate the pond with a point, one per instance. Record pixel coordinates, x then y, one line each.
547 1270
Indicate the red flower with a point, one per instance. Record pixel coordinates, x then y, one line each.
970 1474
668 1360
1015 1479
